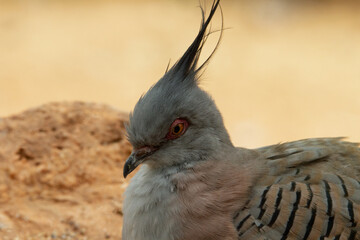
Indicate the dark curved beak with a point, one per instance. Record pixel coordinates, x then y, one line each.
136 158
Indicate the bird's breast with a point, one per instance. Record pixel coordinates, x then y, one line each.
150 207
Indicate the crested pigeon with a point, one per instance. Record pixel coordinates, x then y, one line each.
193 184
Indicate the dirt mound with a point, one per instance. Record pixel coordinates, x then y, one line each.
61 172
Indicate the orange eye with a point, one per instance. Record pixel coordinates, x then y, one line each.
177 128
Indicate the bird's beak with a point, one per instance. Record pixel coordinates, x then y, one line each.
136 158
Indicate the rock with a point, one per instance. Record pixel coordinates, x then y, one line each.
62 161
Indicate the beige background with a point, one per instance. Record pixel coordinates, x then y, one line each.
284 70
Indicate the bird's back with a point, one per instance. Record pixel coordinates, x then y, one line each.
309 189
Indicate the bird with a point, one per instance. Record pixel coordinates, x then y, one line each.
194 184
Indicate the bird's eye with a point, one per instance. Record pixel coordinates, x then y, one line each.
177 128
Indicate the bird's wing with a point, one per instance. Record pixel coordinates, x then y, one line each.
311 191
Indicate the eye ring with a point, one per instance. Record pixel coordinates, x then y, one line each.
177 128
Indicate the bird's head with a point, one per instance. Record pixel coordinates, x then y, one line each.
176 122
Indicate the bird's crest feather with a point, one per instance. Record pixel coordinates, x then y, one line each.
187 64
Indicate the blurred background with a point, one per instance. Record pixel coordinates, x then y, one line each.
285 70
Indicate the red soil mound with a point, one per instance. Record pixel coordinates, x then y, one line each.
61 172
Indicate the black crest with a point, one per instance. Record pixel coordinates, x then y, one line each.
187 64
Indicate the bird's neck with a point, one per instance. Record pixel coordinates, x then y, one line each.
169 166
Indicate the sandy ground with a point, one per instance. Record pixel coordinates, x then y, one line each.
61 173
285 69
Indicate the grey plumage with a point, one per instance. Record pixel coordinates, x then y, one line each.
177 95
194 184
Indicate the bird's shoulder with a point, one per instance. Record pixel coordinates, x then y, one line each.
326 154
